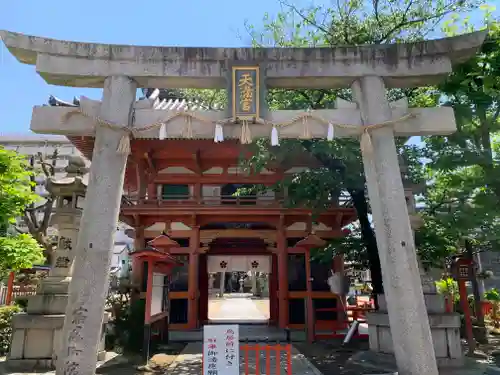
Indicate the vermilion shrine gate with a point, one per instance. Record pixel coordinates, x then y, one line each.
141 147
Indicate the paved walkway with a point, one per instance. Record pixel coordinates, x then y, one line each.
238 308
189 362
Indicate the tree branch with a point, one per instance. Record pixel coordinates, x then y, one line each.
495 115
405 23
306 97
307 20
46 217
47 168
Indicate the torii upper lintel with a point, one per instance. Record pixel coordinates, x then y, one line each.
69 63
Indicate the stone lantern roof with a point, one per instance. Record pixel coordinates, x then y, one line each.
73 182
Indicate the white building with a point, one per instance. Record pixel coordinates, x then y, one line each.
32 145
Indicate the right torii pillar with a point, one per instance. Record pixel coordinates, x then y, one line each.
401 327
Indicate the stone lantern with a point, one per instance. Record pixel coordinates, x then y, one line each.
69 193
36 334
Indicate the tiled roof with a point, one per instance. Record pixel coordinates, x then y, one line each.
31 137
165 102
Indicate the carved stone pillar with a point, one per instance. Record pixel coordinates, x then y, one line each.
89 285
408 335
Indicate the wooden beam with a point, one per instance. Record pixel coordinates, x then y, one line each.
150 162
197 161
267 233
141 178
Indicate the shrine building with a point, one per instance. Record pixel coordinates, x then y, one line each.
184 189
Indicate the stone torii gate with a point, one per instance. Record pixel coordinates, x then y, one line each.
247 73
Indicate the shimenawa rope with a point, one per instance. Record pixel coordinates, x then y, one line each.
246 136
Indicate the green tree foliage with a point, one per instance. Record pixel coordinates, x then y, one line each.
18 252
6 314
15 187
339 169
335 167
16 194
463 192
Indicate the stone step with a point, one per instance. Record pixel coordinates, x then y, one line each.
250 332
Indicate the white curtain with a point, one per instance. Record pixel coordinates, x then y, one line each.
217 263
259 263
239 263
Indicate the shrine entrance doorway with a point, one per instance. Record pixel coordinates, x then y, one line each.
236 287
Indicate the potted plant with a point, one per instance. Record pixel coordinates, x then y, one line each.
449 289
485 304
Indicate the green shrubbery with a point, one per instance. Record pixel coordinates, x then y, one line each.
6 314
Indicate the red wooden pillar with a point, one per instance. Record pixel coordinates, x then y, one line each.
338 263
139 244
193 270
461 271
273 290
10 288
197 193
152 192
338 267
203 287
309 302
282 277
149 292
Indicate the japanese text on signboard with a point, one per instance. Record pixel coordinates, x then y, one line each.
211 358
230 351
221 355
245 87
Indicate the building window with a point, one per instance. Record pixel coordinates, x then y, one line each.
175 192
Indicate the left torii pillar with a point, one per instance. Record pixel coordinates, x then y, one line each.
89 286
88 289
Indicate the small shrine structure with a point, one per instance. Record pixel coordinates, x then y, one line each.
156 266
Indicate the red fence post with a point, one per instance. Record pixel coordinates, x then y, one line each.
268 349
10 288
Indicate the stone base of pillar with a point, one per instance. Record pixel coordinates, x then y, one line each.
445 329
36 334
36 340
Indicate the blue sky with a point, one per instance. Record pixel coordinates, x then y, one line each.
180 23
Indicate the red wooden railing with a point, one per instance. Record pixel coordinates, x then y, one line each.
8 294
246 200
267 349
257 349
